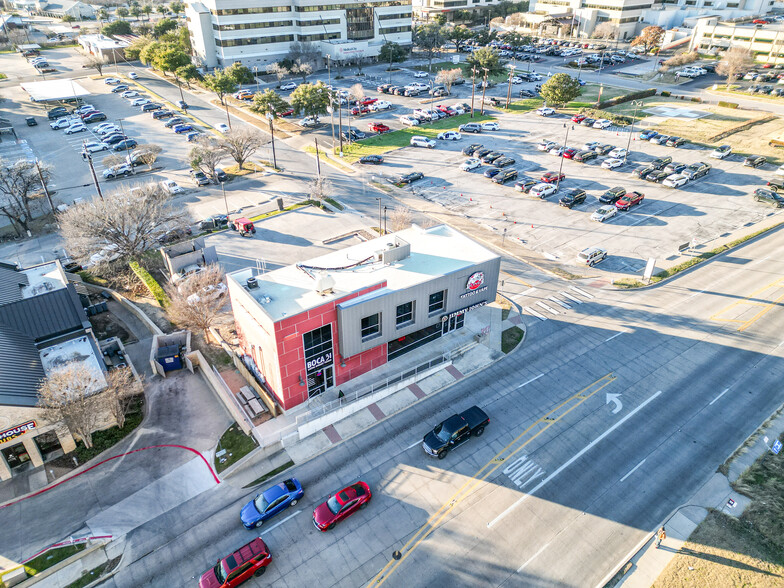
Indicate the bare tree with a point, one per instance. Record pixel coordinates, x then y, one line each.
113 159
196 302
20 187
95 62
205 156
148 154
681 58
605 30
279 71
735 63
447 77
400 218
356 92
303 69
121 389
69 394
130 220
241 143
320 189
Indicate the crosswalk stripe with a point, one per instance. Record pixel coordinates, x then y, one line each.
554 299
534 313
570 297
547 308
583 292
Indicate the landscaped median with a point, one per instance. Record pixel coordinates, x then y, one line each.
386 142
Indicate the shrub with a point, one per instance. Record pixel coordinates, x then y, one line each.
617 119
152 285
627 98
666 94
728 104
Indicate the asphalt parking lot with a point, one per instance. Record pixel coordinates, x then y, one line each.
700 211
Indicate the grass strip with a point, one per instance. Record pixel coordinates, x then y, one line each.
510 338
152 284
52 557
236 445
270 474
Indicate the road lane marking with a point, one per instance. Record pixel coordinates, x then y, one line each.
554 299
279 523
472 483
533 557
570 297
613 337
632 470
413 445
719 396
577 456
583 292
515 278
527 292
750 301
529 381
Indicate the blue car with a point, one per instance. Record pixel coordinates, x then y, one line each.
192 136
182 128
271 502
648 135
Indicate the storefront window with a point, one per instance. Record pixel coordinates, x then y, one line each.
16 456
318 359
411 341
49 445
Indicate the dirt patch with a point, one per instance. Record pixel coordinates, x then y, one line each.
106 325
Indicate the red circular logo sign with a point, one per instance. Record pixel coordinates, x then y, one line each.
475 280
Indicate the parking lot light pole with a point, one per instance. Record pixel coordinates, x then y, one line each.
473 89
637 104
272 134
226 105
127 158
484 89
256 77
509 88
560 167
226 202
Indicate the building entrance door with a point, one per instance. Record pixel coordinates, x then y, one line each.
16 456
319 381
454 323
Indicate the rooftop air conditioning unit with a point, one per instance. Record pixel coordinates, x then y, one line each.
252 283
324 283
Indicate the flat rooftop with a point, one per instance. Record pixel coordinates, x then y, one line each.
43 278
77 350
434 252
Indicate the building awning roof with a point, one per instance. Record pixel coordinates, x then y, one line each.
28 46
54 90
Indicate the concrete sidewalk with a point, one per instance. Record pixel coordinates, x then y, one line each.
648 562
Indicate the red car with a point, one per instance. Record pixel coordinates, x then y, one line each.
288 112
378 127
249 560
368 101
341 505
552 177
359 110
759 21
629 200
570 152
578 118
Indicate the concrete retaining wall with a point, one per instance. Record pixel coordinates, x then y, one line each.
69 570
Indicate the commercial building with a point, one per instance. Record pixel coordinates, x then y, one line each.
313 326
102 46
588 14
258 33
427 9
43 326
765 42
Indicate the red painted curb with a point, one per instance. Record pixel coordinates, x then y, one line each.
55 485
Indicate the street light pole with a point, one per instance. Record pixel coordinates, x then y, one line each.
122 130
473 89
509 89
89 159
484 89
272 134
43 185
226 202
379 215
560 167
256 77
318 159
226 105
637 104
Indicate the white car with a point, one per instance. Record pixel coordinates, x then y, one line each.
130 94
111 81
675 181
557 150
545 111
95 146
543 190
116 171
449 136
423 113
140 101
64 122
602 123
419 141
470 164
603 213
592 145
76 128
381 105
172 187
105 255
517 80
223 128
490 126
420 74
108 130
84 108
546 145
534 77
612 163
618 153
721 152
410 121
289 86
133 75
418 86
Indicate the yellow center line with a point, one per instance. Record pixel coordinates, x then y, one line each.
542 424
747 301
516 279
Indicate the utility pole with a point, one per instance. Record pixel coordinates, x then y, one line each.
509 89
89 158
560 167
318 158
379 215
272 134
473 89
43 185
484 89
385 220
226 202
340 126
226 104
637 104
133 167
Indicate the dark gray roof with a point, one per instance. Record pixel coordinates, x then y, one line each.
20 368
11 282
46 316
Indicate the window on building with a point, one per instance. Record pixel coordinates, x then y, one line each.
436 302
371 326
257 10
390 30
359 23
404 315
253 41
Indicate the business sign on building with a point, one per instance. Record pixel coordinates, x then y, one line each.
446 317
319 361
17 431
475 285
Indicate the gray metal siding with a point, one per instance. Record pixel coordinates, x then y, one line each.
48 315
20 368
350 317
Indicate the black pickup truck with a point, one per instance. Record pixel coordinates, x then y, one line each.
455 431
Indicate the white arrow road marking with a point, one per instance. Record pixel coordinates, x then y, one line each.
279 523
570 297
531 311
577 456
617 400
719 396
632 470
554 299
613 337
583 292
547 308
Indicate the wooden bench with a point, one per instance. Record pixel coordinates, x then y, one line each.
256 407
